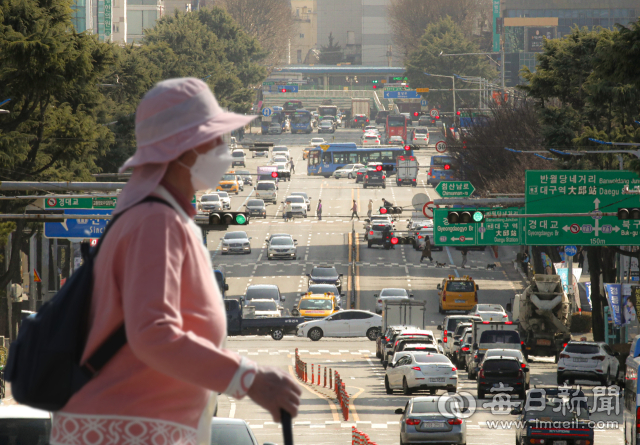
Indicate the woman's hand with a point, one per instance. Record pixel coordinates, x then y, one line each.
273 390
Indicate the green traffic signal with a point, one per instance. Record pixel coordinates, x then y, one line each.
240 218
478 216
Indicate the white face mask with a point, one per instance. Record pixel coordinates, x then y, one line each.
209 167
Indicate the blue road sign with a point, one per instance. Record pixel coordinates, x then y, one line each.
78 228
570 250
410 94
424 103
266 112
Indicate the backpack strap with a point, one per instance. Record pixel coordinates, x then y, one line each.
118 338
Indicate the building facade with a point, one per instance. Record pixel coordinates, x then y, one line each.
305 40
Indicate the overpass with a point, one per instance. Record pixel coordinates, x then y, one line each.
311 99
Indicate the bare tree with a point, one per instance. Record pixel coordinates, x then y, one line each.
269 21
409 18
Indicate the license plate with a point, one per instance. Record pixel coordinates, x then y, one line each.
461 301
437 379
580 360
433 425
543 342
559 442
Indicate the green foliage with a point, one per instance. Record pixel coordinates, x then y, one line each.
445 36
332 53
581 323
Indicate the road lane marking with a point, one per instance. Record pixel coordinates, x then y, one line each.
332 406
451 261
232 410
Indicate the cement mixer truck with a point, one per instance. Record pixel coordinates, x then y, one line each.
543 312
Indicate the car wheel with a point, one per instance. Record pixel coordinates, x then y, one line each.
440 309
369 244
559 379
249 252
378 355
364 186
473 376
386 385
385 363
372 334
432 392
480 394
277 334
523 394
405 388
315 334
349 176
269 257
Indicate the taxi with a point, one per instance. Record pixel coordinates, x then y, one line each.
315 306
457 294
229 183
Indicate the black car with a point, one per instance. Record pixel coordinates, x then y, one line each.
502 374
374 178
360 174
360 120
325 275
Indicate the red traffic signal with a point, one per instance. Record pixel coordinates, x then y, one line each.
284 90
406 147
379 168
383 210
274 174
437 117
447 167
375 86
458 112
394 240
415 113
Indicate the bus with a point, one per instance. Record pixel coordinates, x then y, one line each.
631 414
324 162
291 105
276 116
396 126
301 122
328 110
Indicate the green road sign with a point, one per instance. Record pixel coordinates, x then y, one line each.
491 232
397 89
580 191
80 203
455 189
268 83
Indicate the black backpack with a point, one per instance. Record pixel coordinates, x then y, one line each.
44 361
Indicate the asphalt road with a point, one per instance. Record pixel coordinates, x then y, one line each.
327 242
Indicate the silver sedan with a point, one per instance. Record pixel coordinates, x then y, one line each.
433 419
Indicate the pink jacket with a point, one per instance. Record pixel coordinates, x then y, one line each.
155 273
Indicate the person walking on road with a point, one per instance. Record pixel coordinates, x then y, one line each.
292 166
370 208
319 210
426 252
464 252
288 211
354 210
153 275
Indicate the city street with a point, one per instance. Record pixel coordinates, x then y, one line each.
328 242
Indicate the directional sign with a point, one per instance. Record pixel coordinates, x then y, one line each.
503 231
580 191
78 228
434 112
266 112
401 95
422 90
570 250
80 203
455 189
424 103
400 88
267 83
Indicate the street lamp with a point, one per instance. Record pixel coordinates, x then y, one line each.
453 79
484 54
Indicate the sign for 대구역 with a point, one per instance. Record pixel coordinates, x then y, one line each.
584 191
502 231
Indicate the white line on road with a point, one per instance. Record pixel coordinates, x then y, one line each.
451 261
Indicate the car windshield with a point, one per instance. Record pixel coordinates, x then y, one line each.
323 288
280 159
440 160
228 177
255 203
428 358
582 349
237 154
303 194
319 305
261 293
505 353
511 337
225 434
224 194
235 235
265 305
279 148
453 322
425 407
266 186
393 293
296 199
317 140
489 308
243 172
324 272
282 241
25 431
501 365
460 286
209 198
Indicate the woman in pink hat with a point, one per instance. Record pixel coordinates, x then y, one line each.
154 274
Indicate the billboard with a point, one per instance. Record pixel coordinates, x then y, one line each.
535 35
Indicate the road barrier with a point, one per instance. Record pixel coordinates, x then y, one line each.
301 368
360 438
343 397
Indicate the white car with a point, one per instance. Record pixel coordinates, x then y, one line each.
370 139
282 247
226 200
314 142
349 323
279 160
262 308
588 360
390 294
490 312
371 129
267 191
348 171
396 140
421 371
280 150
298 205
210 202
420 138
238 157
307 199
236 242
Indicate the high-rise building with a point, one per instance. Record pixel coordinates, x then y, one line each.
306 37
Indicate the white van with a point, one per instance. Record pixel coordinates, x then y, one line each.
237 157
267 191
280 150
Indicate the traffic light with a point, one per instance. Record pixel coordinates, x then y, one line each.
379 168
629 213
375 87
458 112
274 174
394 240
384 210
407 147
374 81
447 166
229 218
465 217
416 114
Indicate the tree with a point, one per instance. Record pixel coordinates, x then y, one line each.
445 36
270 22
410 18
331 54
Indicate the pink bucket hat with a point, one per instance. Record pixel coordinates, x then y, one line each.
175 116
